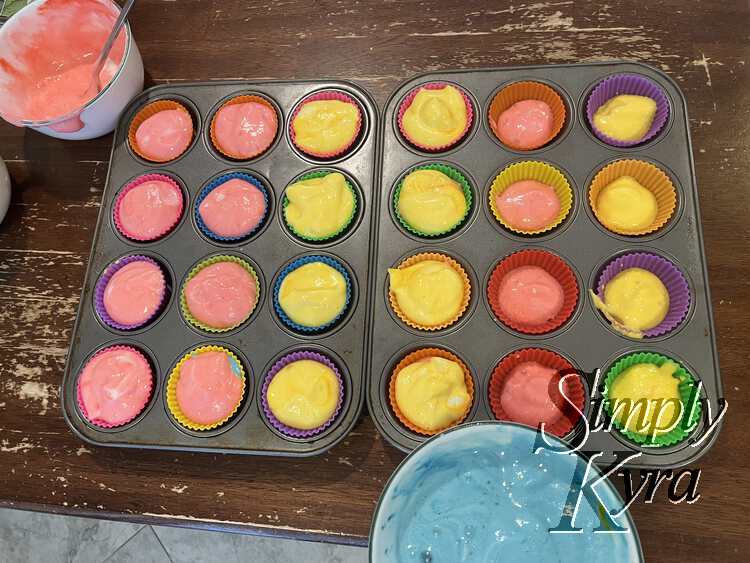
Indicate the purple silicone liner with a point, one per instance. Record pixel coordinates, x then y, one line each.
101 285
634 84
285 361
670 276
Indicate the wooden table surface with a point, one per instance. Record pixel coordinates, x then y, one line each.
45 240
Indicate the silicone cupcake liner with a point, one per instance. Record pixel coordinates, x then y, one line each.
454 175
435 86
553 265
215 184
344 227
79 398
325 96
541 172
650 177
147 111
634 84
101 286
670 276
574 390
134 184
208 262
528 90
276 368
415 357
336 265
453 264
174 376
243 99
689 397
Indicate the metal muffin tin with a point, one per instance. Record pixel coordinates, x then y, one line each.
261 340
586 339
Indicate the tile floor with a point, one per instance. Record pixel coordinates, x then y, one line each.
29 537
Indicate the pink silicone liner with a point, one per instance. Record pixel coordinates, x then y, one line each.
135 183
325 96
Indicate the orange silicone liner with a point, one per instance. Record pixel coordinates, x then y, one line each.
147 111
415 356
528 90
574 389
244 99
650 177
453 264
556 267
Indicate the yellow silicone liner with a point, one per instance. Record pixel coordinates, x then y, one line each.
541 172
174 377
650 177
441 258
415 357
147 111
243 99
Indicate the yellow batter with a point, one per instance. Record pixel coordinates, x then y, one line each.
431 393
635 300
658 391
319 207
313 295
325 126
431 202
303 394
626 206
436 118
626 117
429 293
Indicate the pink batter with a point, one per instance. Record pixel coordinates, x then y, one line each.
45 75
527 395
133 294
165 135
245 130
526 124
233 209
528 205
530 295
208 390
115 386
221 295
150 210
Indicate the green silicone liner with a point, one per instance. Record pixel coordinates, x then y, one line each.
454 175
322 174
209 261
690 416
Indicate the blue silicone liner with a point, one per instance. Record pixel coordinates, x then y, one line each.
208 188
336 265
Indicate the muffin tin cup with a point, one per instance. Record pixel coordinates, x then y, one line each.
541 172
101 286
338 232
275 369
634 84
435 86
416 356
327 96
208 262
454 175
676 284
215 184
140 180
575 393
171 389
243 99
150 110
528 90
79 398
553 265
691 412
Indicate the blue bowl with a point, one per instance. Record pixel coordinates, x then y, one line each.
479 493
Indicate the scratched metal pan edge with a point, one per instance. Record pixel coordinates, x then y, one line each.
169 337
577 154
